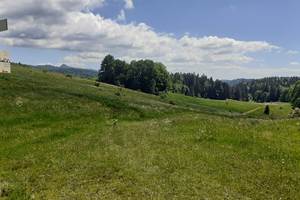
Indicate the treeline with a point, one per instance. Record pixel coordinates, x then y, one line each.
152 77
191 84
271 89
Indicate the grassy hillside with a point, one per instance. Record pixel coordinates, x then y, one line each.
63 138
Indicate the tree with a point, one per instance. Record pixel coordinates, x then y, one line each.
120 70
264 90
285 95
162 77
192 84
152 77
147 76
296 103
144 75
106 73
295 95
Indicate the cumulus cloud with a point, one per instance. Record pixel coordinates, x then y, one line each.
83 60
122 16
71 25
294 63
129 4
265 72
292 52
46 9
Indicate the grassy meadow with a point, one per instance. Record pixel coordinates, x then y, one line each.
64 138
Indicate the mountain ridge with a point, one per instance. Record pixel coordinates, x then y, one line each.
69 70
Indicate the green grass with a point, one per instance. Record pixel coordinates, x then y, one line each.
63 138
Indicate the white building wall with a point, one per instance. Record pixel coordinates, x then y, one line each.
4 62
5 67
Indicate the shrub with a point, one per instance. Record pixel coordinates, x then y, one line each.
172 102
295 113
267 110
5 189
162 95
97 84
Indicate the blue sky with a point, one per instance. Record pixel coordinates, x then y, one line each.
224 39
274 21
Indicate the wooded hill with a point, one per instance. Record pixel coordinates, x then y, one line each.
152 77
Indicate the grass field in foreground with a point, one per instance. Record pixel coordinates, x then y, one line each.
63 138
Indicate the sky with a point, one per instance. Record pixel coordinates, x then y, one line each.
225 39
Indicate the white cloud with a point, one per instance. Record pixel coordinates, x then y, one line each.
292 52
122 16
129 4
295 63
269 72
84 60
70 25
47 9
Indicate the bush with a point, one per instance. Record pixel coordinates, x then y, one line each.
69 76
97 84
162 95
295 113
172 102
267 110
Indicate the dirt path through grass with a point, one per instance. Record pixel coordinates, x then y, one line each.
251 111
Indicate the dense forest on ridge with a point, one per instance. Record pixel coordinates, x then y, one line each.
152 77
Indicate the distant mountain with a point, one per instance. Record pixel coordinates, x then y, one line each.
67 70
235 82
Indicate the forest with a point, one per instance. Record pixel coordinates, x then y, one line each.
152 77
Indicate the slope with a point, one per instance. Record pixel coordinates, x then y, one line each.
64 138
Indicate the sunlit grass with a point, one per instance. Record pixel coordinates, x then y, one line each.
63 138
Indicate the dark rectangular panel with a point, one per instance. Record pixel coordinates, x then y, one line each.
3 25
